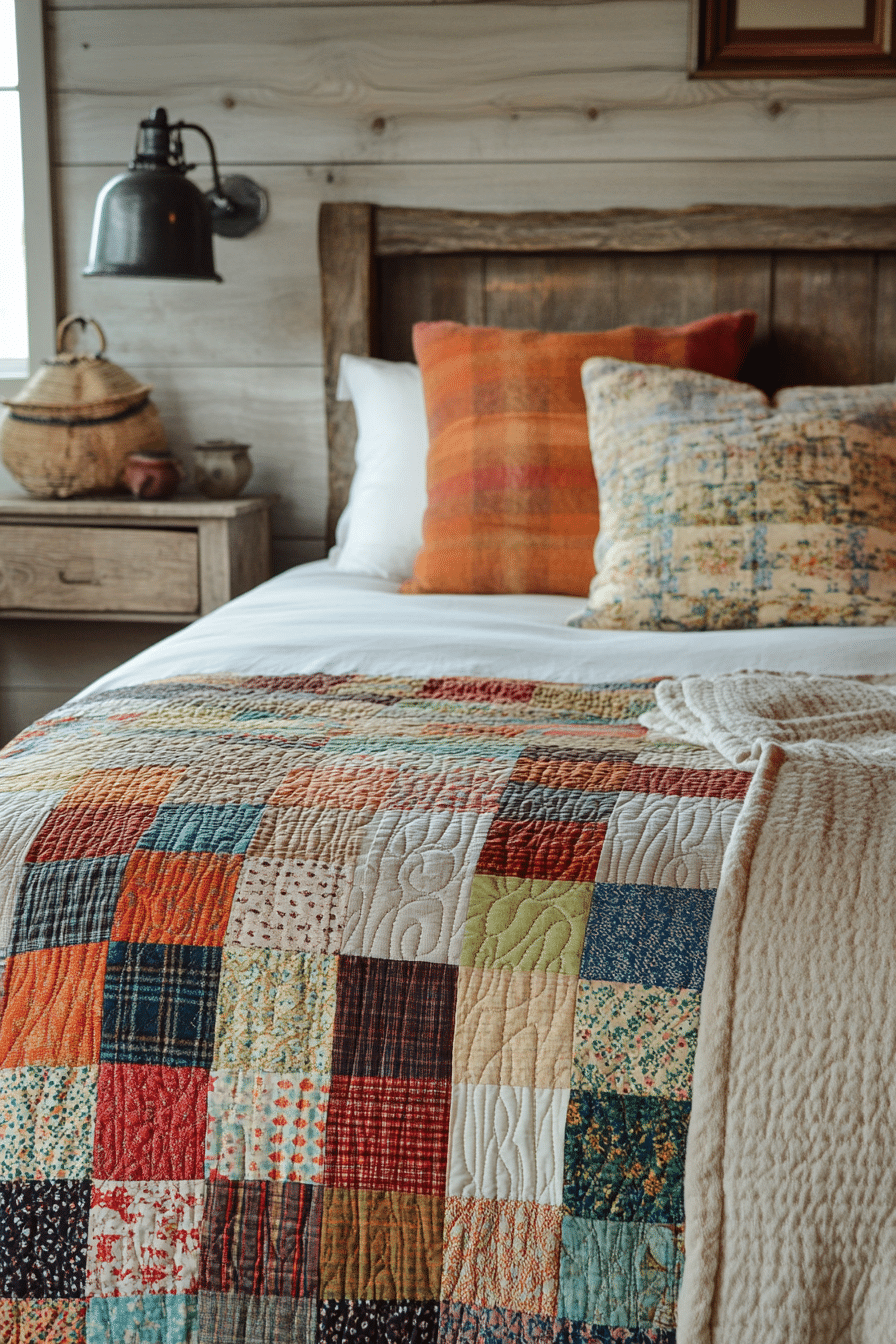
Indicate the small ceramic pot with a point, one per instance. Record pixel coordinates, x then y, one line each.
222 467
152 475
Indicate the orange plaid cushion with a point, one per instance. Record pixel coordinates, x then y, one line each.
512 504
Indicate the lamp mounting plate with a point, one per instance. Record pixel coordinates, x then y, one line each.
246 208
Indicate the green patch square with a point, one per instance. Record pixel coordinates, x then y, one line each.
526 924
620 1275
635 1039
624 1157
46 1123
276 1011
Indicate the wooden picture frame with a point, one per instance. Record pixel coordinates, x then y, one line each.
720 49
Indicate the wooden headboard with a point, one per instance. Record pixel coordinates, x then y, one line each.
822 280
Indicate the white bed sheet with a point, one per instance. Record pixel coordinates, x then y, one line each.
315 619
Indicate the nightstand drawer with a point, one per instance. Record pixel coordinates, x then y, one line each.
99 569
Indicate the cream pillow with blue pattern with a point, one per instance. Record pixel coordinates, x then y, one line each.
721 510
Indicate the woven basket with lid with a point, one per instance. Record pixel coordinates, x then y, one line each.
70 429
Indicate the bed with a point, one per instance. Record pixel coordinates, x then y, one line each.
413 967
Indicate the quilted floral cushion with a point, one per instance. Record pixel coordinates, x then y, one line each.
721 510
512 500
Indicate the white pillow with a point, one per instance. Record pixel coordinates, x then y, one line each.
380 530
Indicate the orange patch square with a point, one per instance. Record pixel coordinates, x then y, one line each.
52 1006
355 784
176 898
42 1321
148 784
502 1253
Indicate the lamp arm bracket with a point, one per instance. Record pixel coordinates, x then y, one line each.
191 126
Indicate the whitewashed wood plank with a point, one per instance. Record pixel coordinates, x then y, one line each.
422 84
285 4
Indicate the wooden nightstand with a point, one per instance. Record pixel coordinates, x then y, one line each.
123 559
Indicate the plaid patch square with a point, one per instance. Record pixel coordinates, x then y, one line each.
262 1237
543 850
90 832
507 1143
266 1126
276 1011
624 1157
388 1134
202 828
526 925
57 1321
150 1123
22 813
144 1237
61 904
228 1318
378 1322
514 1028
502 1253
381 1246
635 1039
648 935
290 907
623 1276
46 1123
412 884
159 1004
176 898
43 1238
394 1019
157 1318
52 1006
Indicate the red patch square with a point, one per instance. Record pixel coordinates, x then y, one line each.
552 850
90 832
176 898
485 689
388 1134
150 1123
679 782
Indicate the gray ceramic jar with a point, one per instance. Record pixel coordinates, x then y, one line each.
222 467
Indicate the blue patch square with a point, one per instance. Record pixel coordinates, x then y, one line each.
620 1275
203 828
159 1004
624 1157
648 935
68 902
163 1318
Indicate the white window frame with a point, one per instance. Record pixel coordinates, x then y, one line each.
39 252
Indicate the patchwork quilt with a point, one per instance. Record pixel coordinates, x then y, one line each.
348 1009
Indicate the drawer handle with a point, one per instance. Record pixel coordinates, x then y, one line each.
64 578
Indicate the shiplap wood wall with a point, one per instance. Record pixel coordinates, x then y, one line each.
481 106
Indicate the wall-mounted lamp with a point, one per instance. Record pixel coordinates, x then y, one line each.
153 221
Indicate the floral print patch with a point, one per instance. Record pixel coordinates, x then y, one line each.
46 1123
635 1039
144 1237
266 1127
30 1321
276 1011
502 1253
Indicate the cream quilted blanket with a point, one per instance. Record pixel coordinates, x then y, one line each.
790 1184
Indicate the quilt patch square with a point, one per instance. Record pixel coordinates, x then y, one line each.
378 1322
22 813
276 1011
513 1027
659 840
507 1143
524 800
203 828
290 907
159 1004
146 785
43 1238
624 1157
543 850
176 898
412 884
648 935
152 1318
388 1134
266 1127
144 1237
381 1246
323 834
230 1318
46 1123
394 1019
635 1039
621 1275
60 904
261 1237
56 1321
90 832
502 1253
557 767
150 1123
52 1006
526 925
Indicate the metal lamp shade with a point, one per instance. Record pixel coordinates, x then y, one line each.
152 222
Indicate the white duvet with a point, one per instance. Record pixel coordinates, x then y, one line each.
314 619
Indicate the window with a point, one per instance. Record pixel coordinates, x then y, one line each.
27 301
